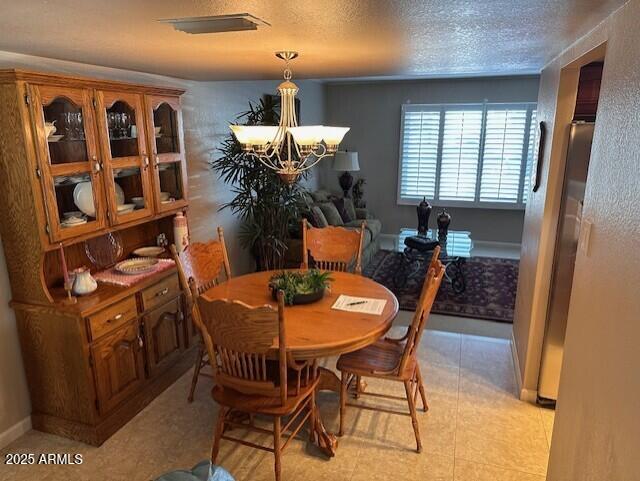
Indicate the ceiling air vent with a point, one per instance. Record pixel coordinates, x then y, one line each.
218 23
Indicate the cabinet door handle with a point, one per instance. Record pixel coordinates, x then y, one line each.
163 292
145 162
140 342
117 317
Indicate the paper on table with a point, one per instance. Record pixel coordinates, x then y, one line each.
365 305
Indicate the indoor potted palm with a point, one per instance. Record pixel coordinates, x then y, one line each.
268 207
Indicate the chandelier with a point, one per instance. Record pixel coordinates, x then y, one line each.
289 149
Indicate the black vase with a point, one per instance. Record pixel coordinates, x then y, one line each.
424 211
444 219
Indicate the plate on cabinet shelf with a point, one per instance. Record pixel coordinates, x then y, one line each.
125 208
54 138
136 266
151 251
73 221
83 197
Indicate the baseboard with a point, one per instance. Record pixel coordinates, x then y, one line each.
526 395
15 431
496 244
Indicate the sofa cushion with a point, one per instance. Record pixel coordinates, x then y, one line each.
319 220
343 209
331 213
321 196
374 226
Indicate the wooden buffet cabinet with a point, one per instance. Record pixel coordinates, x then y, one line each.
93 365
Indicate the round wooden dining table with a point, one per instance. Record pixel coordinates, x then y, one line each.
316 331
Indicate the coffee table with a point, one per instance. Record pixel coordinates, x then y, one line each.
454 253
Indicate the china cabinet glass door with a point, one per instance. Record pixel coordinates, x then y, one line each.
69 165
165 135
128 184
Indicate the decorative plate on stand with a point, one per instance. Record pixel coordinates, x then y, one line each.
105 250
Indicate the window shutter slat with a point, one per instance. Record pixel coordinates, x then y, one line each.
502 155
421 131
460 147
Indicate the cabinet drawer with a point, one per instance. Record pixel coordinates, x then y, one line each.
113 316
160 293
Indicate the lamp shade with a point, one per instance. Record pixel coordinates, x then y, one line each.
307 135
346 161
254 134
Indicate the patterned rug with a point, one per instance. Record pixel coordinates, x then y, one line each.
490 286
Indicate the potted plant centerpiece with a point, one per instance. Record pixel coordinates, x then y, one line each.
300 287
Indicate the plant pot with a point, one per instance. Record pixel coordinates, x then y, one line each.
302 298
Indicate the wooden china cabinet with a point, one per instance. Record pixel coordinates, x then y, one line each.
81 159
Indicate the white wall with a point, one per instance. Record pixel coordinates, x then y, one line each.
373 111
597 430
208 107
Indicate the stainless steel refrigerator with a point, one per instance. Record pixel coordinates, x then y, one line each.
575 179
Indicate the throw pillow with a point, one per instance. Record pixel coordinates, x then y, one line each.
350 208
331 213
343 210
319 220
320 196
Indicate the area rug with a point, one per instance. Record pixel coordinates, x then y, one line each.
490 286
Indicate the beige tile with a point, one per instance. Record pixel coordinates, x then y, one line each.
473 414
511 438
485 352
384 463
440 348
468 471
548 417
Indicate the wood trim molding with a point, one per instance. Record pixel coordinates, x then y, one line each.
14 432
12 75
526 395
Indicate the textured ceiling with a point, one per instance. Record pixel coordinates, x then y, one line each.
336 38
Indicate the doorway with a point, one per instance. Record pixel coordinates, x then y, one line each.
569 226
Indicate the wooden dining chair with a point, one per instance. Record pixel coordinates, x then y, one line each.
203 262
332 248
255 373
394 359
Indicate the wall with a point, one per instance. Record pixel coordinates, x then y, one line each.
596 433
208 107
373 111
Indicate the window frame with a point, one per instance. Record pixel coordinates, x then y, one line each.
530 107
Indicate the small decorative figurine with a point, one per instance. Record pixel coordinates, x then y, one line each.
424 211
444 219
358 194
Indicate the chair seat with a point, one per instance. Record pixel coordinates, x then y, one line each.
255 403
381 359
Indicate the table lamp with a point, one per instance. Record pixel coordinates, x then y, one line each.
346 162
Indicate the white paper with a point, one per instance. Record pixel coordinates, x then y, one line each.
364 305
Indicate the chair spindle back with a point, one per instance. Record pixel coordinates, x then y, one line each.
203 262
427 297
332 248
242 342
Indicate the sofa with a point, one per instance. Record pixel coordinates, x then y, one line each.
324 208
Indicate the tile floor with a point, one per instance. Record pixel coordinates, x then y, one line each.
475 430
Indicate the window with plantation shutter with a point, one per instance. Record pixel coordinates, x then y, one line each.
460 150
502 155
421 131
475 155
